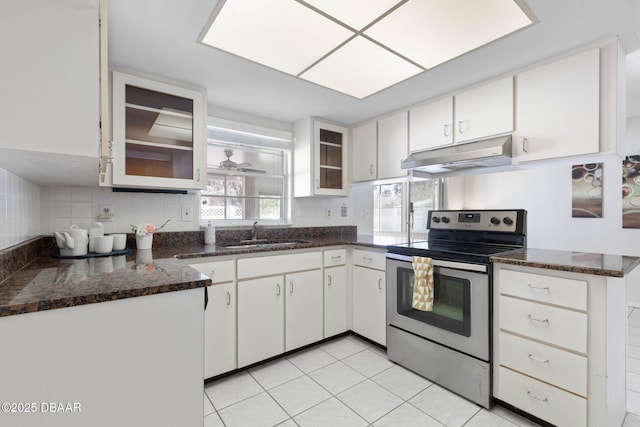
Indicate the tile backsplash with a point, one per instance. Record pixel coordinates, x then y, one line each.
19 209
28 210
60 207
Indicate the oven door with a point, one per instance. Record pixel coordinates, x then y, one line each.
460 318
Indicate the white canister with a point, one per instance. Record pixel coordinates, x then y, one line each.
210 234
96 229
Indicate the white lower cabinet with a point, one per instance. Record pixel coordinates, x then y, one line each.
281 308
335 292
369 296
260 319
220 330
220 354
555 353
303 309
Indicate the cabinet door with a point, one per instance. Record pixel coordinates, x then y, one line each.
484 111
260 319
369 311
365 152
393 143
330 159
158 134
431 125
557 108
335 300
220 330
303 309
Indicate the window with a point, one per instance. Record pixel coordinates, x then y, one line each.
400 209
247 176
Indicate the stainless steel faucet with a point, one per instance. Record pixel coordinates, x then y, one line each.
254 231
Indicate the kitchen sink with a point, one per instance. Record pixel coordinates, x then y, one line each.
263 244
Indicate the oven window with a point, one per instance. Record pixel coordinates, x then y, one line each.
451 305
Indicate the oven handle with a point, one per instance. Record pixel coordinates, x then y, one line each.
443 263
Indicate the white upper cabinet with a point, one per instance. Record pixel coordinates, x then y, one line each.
158 134
320 159
484 111
49 108
364 140
431 125
558 107
393 144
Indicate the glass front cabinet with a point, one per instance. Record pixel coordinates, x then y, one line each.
320 159
158 138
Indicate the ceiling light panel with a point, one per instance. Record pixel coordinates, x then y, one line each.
282 34
355 13
430 32
361 68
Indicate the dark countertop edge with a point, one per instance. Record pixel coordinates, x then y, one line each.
68 302
222 251
508 258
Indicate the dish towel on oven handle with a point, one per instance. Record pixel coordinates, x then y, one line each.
422 284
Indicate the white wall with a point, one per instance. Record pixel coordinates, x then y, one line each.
312 211
19 209
546 195
63 206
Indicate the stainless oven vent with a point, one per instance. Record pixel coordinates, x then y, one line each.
479 154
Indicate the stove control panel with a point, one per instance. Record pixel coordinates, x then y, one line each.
482 220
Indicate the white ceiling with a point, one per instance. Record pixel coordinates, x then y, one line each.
160 37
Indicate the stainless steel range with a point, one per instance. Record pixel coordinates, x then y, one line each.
451 345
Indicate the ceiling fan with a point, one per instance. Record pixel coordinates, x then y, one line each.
231 165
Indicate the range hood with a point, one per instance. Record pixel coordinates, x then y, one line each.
478 154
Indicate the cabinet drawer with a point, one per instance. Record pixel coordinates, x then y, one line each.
553 290
542 400
558 367
553 325
278 264
369 259
218 272
335 257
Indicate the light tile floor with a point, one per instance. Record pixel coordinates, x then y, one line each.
349 382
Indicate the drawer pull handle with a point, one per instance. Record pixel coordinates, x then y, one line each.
536 359
380 284
329 276
535 319
533 396
541 288
336 257
291 287
228 298
278 286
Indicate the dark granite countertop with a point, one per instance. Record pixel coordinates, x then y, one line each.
31 281
576 262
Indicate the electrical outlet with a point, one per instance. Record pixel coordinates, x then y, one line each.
186 214
328 213
106 213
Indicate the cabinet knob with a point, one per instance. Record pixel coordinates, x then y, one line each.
525 145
